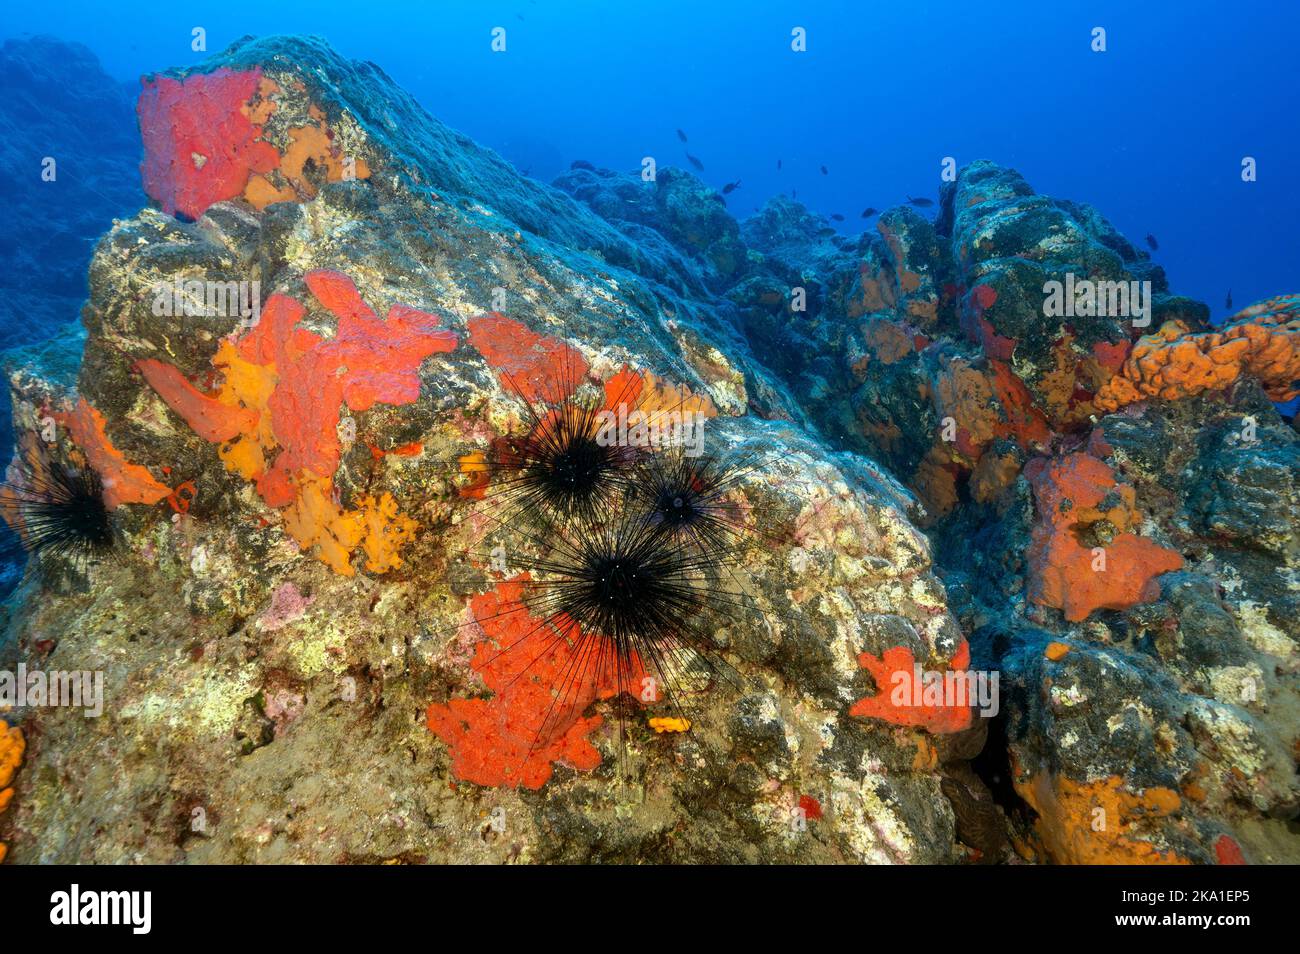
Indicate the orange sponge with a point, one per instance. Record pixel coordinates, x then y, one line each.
12 747
1263 341
1073 493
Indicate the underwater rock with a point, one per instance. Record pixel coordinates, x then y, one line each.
308 630
1157 540
1158 700
688 214
292 667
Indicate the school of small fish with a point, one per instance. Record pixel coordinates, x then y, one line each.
919 202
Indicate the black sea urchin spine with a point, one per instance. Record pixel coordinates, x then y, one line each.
58 510
628 599
627 547
563 471
688 498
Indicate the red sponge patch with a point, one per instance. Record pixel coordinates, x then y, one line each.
200 146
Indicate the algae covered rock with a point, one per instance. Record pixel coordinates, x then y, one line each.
1013 574
289 367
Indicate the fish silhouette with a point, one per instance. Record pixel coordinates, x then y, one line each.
695 162
825 172
920 203
681 135
1228 304
730 187
869 211
1151 240
837 217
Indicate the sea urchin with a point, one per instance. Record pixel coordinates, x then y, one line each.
57 509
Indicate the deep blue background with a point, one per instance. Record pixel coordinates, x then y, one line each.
1152 131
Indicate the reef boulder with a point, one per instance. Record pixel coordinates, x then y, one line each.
292 633
988 446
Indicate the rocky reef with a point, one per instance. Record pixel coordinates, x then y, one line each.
302 640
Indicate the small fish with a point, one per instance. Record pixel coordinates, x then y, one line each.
730 187
582 164
778 165
681 135
920 203
825 171
794 193
1151 241
695 162
837 217
1228 304
869 211
825 233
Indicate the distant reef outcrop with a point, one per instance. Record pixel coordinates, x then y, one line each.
59 105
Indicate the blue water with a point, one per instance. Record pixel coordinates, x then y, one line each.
1152 131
